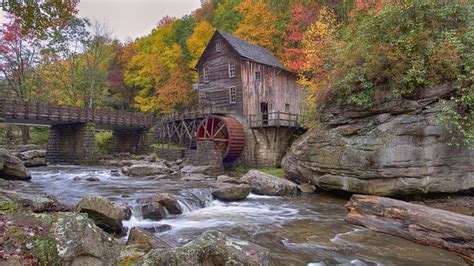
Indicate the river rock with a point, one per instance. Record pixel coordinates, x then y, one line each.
158 228
150 159
396 147
33 202
106 214
148 169
81 242
152 210
197 169
92 179
12 168
211 248
307 188
166 200
144 240
33 158
231 192
195 177
266 184
227 179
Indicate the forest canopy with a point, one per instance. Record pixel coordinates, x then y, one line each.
348 51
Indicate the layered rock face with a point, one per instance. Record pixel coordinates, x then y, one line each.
395 148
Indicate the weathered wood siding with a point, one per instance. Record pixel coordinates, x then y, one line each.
219 80
276 87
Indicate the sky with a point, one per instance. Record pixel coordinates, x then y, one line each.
131 18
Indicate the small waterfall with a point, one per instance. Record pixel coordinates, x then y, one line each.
194 199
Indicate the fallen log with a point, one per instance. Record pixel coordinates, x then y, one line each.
418 223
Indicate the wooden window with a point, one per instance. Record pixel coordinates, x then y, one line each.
232 69
205 74
232 95
218 46
287 107
257 76
206 95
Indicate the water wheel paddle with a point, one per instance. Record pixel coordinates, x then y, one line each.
226 133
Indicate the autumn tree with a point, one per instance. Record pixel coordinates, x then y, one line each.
160 70
38 17
197 42
258 24
301 17
227 17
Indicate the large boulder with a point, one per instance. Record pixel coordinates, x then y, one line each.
152 210
33 158
166 200
144 240
33 202
11 167
148 169
397 147
106 214
231 192
81 242
211 248
266 184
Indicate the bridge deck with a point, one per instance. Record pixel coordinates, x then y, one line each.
19 112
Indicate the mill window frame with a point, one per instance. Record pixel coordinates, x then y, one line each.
218 46
258 76
205 74
231 67
232 95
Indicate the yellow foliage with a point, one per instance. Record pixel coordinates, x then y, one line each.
258 24
198 40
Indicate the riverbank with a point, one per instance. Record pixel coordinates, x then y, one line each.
297 230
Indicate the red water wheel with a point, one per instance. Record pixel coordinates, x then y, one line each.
226 133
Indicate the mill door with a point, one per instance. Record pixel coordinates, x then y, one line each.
264 112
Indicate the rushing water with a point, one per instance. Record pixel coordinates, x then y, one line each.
303 230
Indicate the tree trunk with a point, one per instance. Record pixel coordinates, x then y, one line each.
25 134
425 225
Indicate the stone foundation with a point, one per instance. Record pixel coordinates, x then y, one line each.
71 144
206 154
134 141
171 154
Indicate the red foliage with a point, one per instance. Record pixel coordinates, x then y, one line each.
301 17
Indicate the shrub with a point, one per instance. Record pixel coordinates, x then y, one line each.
103 142
392 51
39 135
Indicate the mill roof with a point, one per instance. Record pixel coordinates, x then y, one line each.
251 51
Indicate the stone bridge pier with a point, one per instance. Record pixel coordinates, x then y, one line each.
71 144
75 143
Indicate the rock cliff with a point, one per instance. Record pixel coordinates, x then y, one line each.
397 147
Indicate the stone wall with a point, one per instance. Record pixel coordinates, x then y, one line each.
71 144
206 154
135 141
170 154
395 148
265 147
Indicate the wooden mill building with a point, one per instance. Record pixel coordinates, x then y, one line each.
254 92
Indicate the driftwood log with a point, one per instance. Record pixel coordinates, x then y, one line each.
425 225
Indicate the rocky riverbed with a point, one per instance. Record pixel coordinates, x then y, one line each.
292 229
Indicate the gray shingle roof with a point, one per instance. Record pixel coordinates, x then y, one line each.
251 51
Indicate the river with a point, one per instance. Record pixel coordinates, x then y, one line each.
302 230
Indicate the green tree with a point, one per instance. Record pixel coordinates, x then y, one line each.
227 18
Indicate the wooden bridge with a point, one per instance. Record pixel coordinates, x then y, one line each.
20 112
72 134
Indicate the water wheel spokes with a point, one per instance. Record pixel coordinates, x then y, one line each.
226 134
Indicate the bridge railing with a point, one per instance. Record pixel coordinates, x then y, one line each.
191 114
14 109
274 119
